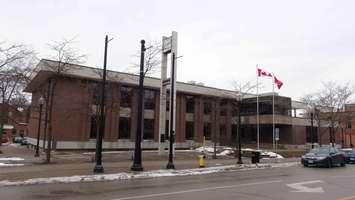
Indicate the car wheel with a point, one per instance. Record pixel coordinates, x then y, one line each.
305 165
329 164
342 163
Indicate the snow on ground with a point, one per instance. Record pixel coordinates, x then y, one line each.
149 174
205 149
227 151
11 159
270 154
10 165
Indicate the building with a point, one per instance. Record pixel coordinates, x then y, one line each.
15 121
202 112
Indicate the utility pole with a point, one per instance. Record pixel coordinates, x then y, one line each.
98 155
137 162
41 102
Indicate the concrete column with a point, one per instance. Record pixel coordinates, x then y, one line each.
157 117
198 119
215 120
229 122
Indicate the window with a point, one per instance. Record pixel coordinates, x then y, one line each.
189 130
234 132
190 104
95 93
222 130
94 126
124 128
149 99
207 130
223 107
126 96
148 129
207 106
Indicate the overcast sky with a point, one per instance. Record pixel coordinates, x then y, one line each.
302 42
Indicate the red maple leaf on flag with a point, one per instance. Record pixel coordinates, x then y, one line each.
278 82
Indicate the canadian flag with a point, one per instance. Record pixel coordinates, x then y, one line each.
263 73
278 82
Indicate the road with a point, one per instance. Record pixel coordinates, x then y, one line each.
294 182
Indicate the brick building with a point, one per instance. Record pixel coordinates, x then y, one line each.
202 112
15 121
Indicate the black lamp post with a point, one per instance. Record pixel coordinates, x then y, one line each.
312 116
137 162
40 102
239 132
98 154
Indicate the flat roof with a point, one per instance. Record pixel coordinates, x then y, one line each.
46 68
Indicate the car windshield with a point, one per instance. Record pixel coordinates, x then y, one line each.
320 151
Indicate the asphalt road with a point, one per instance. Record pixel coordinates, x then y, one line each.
294 182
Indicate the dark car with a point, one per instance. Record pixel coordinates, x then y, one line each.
20 140
324 156
349 155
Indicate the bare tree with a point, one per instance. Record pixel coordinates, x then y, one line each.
242 90
10 53
152 59
330 104
64 55
15 64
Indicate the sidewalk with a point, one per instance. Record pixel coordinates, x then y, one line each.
81 163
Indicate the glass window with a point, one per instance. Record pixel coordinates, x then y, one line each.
126 96
190 104
222 130
207 130
94 126
207 106
95 88
189 130
148 133
124 128
223 107
149 99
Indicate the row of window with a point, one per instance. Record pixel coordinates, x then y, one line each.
124 131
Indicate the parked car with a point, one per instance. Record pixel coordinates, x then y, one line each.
349 155
20 140
326 156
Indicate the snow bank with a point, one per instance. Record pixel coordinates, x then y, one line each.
149 174
10 165
270 154
205 149
11 159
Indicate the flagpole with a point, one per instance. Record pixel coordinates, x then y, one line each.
257 110
273 112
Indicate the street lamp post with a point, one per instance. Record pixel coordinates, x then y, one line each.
98 154
137 162
40 102
239 133
312 116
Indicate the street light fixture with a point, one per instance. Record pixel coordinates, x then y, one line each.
40 102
